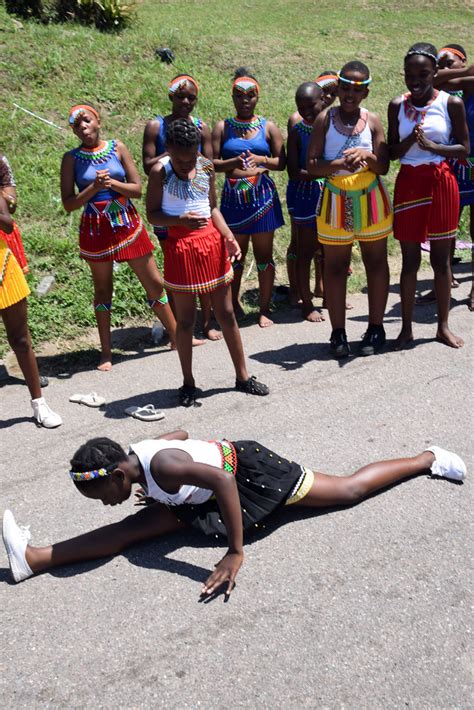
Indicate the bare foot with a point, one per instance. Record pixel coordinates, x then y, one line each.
349 306
445 336
470 301
197 342
428 298
403 340
213 334
105 363
312 314
264 321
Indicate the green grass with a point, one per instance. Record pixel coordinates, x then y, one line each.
47 68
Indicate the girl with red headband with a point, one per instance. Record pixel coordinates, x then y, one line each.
13 293
245 148
100 176
426 128
183 93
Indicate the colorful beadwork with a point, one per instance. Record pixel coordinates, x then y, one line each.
415 114
88 475
326 80
238 125
245 84
193 188
181 81
97 155
303 127
365 82
228 456
103 307
161 301
351 131
422 53
76 111
451 50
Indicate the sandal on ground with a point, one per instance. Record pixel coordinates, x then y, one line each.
188 395
252 386
147 413
90 400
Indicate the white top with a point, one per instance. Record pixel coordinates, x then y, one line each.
340 137
436 123
200 451
180 196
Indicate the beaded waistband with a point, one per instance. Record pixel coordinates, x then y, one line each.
228 456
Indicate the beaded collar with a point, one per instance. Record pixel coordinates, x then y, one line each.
304 127
244 126
354 130
97 155
416 114
194 187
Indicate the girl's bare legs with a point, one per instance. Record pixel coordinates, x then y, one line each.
222 302
440 257
153 521
346 490
470 300
337 260
243 241
185 305
319 270
102 276
411 255
374 256
263 252
206 313
150 278
15 319
306 246
291 266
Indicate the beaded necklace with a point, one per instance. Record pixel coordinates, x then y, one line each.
96 155
191 188
416 114
304 127
351 130
244 126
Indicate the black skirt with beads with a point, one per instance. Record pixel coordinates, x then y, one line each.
264 480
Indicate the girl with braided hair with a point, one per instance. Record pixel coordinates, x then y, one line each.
198 251
220 488
426 127
111 229
246 147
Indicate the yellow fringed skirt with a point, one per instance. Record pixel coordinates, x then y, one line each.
13 286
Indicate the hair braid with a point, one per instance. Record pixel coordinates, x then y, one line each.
183 133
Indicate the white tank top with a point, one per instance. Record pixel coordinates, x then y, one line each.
436 123
340 137
200 451
180 196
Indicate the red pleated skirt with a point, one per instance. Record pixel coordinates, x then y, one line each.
196 261
15 244
426 203
113 236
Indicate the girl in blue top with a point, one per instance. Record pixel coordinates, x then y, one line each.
246 147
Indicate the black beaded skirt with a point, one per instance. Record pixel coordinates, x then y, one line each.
264 480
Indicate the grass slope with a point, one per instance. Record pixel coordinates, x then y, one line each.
47 68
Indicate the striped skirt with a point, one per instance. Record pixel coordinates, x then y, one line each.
464 173
14 242
13 286
195 261
251 205
112 230
426 203
304 196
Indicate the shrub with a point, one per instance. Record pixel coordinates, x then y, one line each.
106 15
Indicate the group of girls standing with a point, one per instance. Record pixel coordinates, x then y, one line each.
336 157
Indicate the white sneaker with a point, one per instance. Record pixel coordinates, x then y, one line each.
15 539
447 464
44 415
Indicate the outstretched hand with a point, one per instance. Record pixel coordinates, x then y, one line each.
225 572
233 248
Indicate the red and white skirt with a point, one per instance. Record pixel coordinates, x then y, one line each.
196 261
112 230
426 203
15 244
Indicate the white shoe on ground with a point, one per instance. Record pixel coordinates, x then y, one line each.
16 539
447 464
44 415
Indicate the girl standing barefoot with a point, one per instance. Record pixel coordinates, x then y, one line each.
100 176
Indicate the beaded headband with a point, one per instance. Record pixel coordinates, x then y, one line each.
326 80
423 53
76 111
245 84
181 81
451 50
88 475
366 82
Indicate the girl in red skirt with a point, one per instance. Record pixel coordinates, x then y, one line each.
426 127
111 229
181 196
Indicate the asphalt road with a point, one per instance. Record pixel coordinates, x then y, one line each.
365 607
